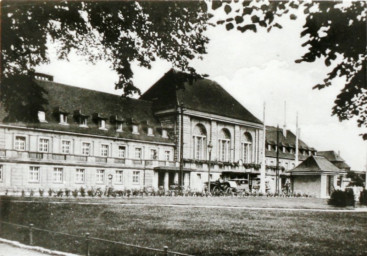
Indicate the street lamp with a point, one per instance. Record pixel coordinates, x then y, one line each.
210 147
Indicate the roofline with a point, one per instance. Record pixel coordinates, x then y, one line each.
84 134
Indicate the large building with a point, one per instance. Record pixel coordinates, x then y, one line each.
85 138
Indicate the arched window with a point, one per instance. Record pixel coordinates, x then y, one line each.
247 148
199 142
224 145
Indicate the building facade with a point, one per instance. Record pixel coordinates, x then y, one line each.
84 138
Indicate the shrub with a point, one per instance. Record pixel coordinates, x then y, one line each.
31 193
67 192
23 193
60 193
50 192
75 193
91 192
99 192
41 191
363 197
342 198
82 191
6 192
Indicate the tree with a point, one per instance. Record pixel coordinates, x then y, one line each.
117 31
335 32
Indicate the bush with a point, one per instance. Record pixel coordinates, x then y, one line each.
363 197
60 193
67 192
342 198
91 192
31 193
50 192
41 191
82 191
75 193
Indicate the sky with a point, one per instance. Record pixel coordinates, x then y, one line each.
254 68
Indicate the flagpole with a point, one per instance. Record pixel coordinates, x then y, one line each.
297 134
263 164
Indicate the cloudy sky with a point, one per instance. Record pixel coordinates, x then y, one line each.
255 68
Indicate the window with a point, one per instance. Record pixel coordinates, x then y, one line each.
167 155
119 127
199 142
63 119
224 145
83 122
164 133
136 177
286 166
100 176
122 151
86 148
247 148
138 153
1 173
42 116
104 150
283 149
102 124
150 131
34 173
199 176
43 145
119 176
79 175
19 143
153 154
65 146
135 129
58 174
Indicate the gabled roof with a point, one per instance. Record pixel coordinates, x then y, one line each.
335 158
89 102
199 94
315 165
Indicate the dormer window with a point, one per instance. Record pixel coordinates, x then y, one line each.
42 116
164 133
119 127
135 129
83 121
269 147
102 124
283 149
63 119
150 131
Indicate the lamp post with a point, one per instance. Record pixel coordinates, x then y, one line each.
210 147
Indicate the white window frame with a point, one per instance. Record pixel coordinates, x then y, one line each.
167 155
79 175
119 127
34 174
140 150
42 116
105 150
269 147
89 148
41 145
102 124
17 144
164 133
135 129
83 122
150 131
63 147
100 176
63 119
58 175
122 151
199 146
224 150
247 152
136 177
119 177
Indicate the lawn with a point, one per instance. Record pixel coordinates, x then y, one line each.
200 231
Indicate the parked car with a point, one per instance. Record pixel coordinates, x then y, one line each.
241 184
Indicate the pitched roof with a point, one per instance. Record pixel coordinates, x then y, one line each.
289 140
335 158
89 102
315 165
198 94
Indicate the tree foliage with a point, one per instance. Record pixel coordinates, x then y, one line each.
334 31
120 32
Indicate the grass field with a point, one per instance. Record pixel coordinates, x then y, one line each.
200 231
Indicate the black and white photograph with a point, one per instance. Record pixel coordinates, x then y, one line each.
183 127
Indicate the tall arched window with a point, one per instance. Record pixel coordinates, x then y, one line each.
247 147
224 145
199 142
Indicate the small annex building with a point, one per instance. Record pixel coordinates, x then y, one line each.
315 176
